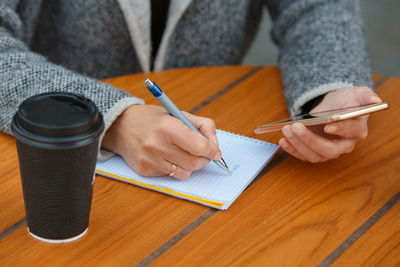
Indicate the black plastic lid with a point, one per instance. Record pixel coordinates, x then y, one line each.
57 117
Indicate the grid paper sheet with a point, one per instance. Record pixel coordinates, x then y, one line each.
211 186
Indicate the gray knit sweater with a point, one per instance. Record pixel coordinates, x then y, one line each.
66 45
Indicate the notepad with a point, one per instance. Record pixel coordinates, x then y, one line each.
211 186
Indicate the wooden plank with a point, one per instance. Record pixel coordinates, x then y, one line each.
186 87
300 212
379 246
127 222
11 200
256 101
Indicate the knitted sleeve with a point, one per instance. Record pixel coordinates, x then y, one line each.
24 73
321 47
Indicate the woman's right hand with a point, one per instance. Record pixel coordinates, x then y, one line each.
151 141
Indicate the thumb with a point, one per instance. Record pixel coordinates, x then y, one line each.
368 96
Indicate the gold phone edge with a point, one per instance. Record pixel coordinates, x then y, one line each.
273 127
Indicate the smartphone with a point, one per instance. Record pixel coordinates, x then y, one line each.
323 117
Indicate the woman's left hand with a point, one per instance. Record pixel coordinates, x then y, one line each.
319 144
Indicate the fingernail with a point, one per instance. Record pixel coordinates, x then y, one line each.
217 156
299 125
375 99
330 129
287 131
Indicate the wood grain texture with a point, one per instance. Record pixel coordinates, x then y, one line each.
299 212
186 87
127 222
380 246
243 109
11 200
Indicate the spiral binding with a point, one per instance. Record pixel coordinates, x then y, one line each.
246 138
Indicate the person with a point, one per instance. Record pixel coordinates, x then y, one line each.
68 45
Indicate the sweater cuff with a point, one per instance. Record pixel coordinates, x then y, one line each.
313 93
110 116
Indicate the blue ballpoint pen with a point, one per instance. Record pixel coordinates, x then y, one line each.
174 111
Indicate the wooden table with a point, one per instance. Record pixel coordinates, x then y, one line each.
342 212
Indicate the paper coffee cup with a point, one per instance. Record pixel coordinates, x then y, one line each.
57 141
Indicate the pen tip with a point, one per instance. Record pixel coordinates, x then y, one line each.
224 164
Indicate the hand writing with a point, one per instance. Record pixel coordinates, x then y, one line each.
151 140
